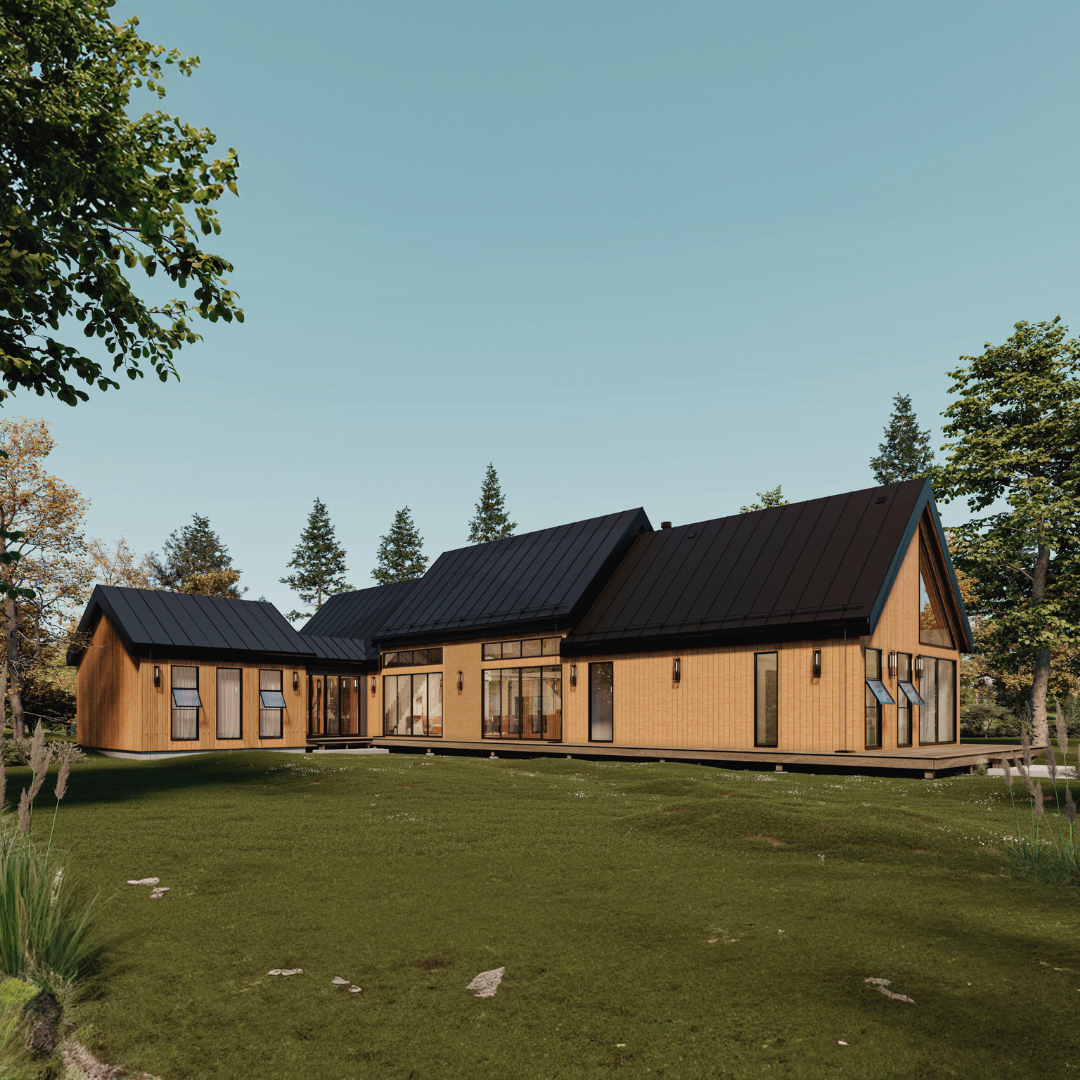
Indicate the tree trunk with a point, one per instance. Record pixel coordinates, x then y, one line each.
1040 683
18 722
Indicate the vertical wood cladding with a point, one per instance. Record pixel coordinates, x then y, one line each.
712 705
107 688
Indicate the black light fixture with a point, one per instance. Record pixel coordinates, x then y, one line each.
892 665
460 682
676 669
157 676
296 680
573 674
918 667
817 664
372 685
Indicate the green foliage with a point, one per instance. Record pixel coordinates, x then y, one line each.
319 562
89 191
196 561
1015 429
905 454
401 556
491 521
15 1060
768 498
981 719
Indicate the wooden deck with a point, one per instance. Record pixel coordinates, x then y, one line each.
929 761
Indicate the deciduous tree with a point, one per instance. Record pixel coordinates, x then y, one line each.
53 560
319 562
768 498
194 560
89 192
491 521
905 454
1015 449
116 563
401 556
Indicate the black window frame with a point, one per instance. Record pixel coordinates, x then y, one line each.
432 657
874 694
489 648
904 704
217 705
757 706
928 583
953 668
412 676
173 709
521 736
592 719
280 672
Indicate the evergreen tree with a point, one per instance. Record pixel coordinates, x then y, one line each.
768 498
319 562
401 556
194 560
491 521
905 454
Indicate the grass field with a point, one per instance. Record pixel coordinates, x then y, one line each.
654 920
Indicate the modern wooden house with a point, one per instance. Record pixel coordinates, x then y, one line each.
822 633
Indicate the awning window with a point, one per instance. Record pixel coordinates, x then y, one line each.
911 693
185 698
877 688
272 699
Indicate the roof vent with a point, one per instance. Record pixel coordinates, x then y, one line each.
880 499
665 524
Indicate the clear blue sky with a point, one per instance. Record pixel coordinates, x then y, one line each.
655 254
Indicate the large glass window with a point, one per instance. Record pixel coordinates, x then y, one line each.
602 702
228 703
766 699
933 630
412 658
412 704
876 696
271 705
515 650
522 703
937 687
906 699
186 703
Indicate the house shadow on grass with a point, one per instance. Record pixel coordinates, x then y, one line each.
113 780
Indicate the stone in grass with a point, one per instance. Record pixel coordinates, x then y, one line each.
285 971
144 881
882 987
487 982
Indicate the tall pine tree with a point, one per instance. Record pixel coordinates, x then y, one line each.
401 556
491 521
194 560
905 454
319 562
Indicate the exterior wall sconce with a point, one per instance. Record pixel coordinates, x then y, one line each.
918 667
573 674
372 685
676 669
296 680
157 676
892 665
816 668
460 682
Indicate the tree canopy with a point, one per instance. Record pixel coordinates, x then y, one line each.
768 498
194 560
905 454
491 521
319 562
1015 450
89 192
401 551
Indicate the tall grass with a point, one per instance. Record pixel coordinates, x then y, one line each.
1048 852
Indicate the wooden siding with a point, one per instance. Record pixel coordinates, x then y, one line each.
712 707
119 708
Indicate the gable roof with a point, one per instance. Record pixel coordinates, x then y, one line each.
356 615
536 581
169 624
809 569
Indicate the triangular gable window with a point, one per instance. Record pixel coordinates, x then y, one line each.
933 629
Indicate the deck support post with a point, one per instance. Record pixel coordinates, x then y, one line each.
928 775
492 753
779 768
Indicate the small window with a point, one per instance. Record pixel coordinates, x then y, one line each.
412 658
271 705
185 703
550 646
876 696
516 650
493 650
228 703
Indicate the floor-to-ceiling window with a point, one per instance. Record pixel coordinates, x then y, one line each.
412 704
602 702
876 696
229 723
907 699
766 699
522 703
937 715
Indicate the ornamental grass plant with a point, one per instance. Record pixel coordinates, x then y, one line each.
1045 847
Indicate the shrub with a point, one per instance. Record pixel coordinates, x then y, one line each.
983 719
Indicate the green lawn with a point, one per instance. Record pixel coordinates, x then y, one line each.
654 921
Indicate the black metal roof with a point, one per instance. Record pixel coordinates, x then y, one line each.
535 581
168 624
357 614
809 569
